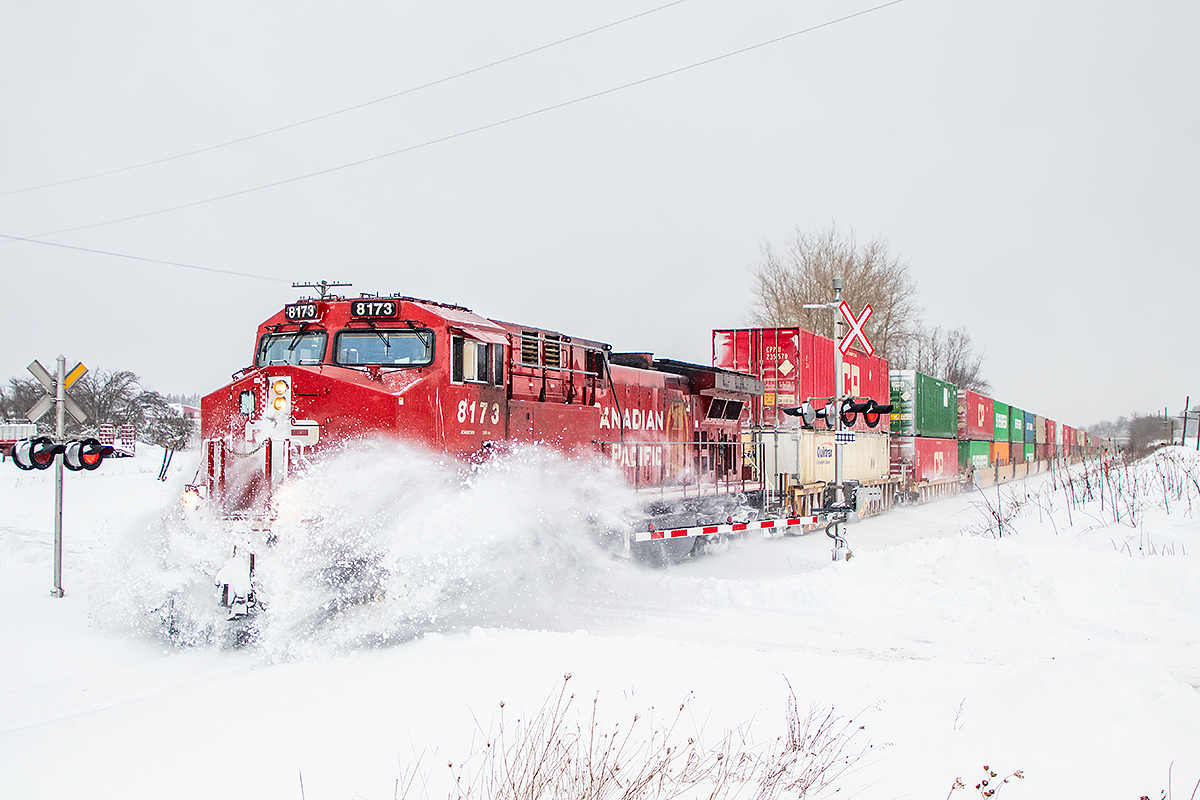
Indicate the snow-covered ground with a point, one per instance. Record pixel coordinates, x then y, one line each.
1068 648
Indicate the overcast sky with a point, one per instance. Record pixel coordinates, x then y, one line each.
1035 162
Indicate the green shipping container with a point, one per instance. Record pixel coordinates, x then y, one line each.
1000 429
923 406
1016 424
976 454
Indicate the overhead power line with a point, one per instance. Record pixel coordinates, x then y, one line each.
143 258
477 129
346 110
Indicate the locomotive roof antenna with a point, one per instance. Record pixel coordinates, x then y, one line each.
322 286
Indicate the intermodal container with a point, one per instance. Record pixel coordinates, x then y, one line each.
922 405
1000 453
976 419
1039 432
797 365
924 458
1052 434
1016 425
1030 425
1000 428
974 453
807 455
1043 452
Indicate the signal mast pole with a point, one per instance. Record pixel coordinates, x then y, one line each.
60 426
838 333
840 550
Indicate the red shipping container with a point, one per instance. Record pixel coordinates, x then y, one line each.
1050 433
976 416
796 365
926 458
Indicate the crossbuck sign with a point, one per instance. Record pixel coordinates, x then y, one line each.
856 331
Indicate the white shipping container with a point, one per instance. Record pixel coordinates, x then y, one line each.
807 455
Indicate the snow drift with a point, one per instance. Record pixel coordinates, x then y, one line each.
380 543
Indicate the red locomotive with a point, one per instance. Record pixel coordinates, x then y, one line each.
333 369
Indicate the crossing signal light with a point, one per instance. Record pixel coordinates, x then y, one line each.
877 410
805 411
39 453
35 453
870 410
851 409
828 414
85 454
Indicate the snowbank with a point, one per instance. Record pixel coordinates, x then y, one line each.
1068 647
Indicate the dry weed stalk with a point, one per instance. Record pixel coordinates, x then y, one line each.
998 519
1167 793
553 755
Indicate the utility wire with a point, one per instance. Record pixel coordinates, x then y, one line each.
142 258
346 110
477 129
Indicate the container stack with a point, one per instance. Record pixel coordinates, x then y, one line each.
976 429
924 425
797 365
1016 435
1001 449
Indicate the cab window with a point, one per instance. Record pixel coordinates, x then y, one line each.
407 348
303 347
474 362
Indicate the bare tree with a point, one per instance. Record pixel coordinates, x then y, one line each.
1146 433
18 398
945 354
802 272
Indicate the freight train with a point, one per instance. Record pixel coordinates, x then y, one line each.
711 449
941 439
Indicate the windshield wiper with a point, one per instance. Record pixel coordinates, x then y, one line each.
296 338
382 338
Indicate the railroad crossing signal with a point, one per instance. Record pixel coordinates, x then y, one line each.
42 451
50 384
856 331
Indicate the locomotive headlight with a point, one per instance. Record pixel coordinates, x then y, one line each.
279 398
